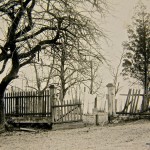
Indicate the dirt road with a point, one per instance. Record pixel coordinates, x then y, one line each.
129 136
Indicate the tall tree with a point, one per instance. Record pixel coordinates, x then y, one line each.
137 49
32 26
75 44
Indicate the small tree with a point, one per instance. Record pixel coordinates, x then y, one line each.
137 49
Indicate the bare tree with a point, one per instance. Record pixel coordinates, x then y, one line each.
74 45
32 26
116 73
43 70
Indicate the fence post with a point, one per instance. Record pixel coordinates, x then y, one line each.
96 116
52 102
111 101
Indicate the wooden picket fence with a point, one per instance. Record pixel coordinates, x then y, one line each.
134 103
20 104
34 107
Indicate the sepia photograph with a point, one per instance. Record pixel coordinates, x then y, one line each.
74 74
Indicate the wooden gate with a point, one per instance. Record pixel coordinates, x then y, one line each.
67 111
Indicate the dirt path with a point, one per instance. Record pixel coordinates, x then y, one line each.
131 136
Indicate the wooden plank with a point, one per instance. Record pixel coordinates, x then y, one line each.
26 129
11 99
135 102
33 102
28 102
6 103
132 100
54 112
20 102
30 119
139 113
28 114
127 101
13 102
58 113
74 111
81 111
62 112
17 106
68 109
65 117
77 113
136 99
42 103
25 102
52 101
48 101
69 104
132 94
69 121
45 102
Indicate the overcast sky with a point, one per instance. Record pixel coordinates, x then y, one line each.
116 28
116 24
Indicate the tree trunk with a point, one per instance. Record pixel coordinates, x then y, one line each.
145 102
3 86
5 82
62 76
2 114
